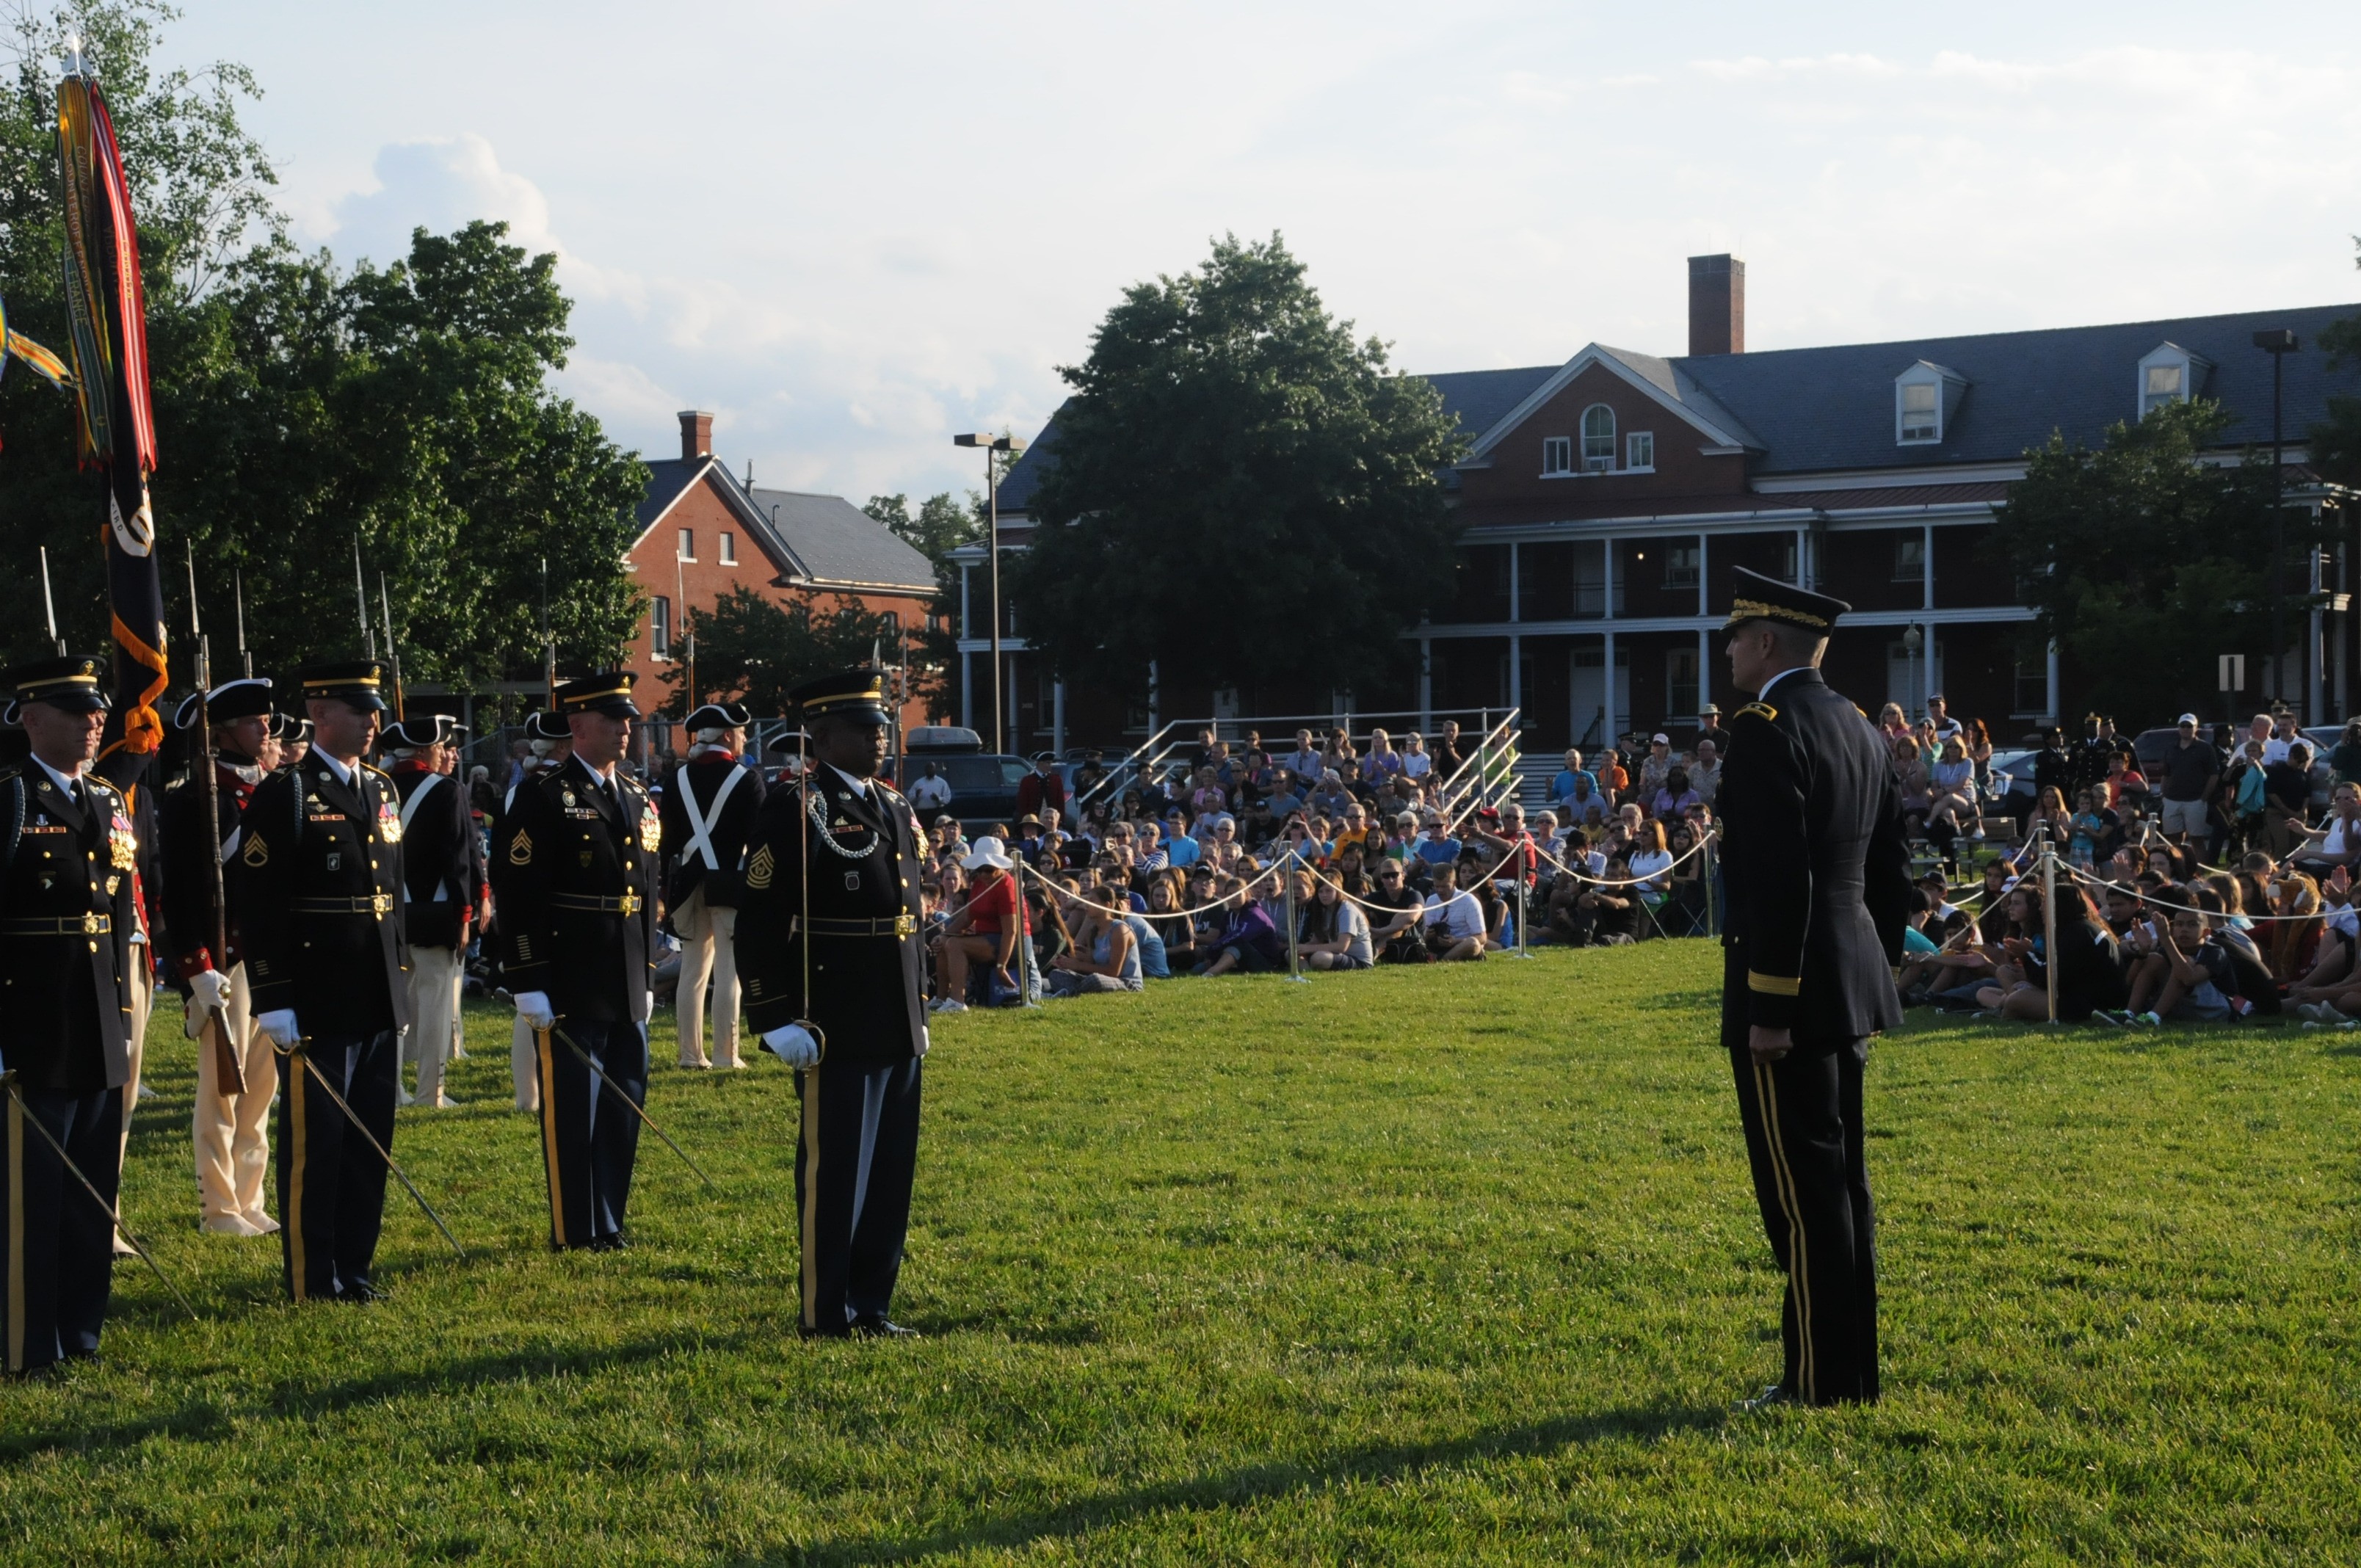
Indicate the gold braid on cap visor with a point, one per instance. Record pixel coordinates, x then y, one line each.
1755 610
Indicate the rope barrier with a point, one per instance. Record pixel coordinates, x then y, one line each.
2129 889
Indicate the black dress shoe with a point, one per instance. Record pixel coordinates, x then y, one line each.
881 1328
619 1242
360 1293
1770 1398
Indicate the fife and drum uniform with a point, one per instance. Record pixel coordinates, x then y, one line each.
229 1125
66 920
852 964
438 836
548 741
1817 868
577 914
320 906
707 810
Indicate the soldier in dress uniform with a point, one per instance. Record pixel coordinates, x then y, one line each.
828 936
230 1125
548 745
320 906
709 808
580 883
437 833
1818 875
66 919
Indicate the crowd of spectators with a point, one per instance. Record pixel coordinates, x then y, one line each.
1327 853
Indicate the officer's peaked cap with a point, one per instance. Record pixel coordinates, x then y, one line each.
1757 597
858 694
608 692
354 681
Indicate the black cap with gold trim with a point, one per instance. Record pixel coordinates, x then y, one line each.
858 694
72 683
354 681
1758 598
608 692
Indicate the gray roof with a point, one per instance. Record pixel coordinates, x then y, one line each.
824 538
1804 410
833 542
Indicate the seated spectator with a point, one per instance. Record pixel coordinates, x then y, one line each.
2127 786
1613 781
985 930
1182 851
1705 774
1106 955
1415 762
1330 797
1585 802
1395 934
1436 846
2188 976
1562 788
1150 853
1910 773
1658 763
1891 722
1676 796
2291 941
2087 829
1454 919
1286 797
1334 934
1649 860
1350 870
1951 790
1607 913
1251 941
2336 841
2089 969
1168 916
2286 797
1381 761
1208 798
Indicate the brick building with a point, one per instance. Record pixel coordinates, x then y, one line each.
1606 499
704 531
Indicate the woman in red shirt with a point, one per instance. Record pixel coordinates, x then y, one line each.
985 929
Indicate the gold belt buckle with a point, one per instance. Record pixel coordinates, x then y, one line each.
631 904
381 904
90 926
905 923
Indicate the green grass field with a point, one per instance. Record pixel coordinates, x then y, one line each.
1433 1266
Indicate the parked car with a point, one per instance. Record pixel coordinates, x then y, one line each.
984 783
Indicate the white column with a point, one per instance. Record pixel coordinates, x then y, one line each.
1516 671
1155 699
2052 698
1058 717
967 661
2315 700
1607 696
1705 633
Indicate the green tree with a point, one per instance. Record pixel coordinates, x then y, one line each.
2337 440
2140 560
942 523
300 406
756 649
1239 485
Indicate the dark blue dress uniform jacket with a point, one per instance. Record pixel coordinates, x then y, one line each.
578 893
319 900
65 986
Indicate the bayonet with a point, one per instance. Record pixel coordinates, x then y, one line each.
49 603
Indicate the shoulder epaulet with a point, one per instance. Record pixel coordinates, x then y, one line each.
373 768
1757 711
1862 712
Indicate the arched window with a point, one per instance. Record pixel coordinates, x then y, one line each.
1598 438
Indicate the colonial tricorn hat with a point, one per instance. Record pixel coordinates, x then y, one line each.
858 694
354 681
608 692
1757 597
719 716
543 724
241 698
71 682
287 730
417 734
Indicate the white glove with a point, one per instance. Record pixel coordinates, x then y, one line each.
279 1024
208 995
533 1006
793 1045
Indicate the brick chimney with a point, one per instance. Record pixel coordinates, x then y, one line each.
696 435
1716 305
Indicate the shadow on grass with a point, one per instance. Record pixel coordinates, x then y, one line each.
202 1420
1262 1483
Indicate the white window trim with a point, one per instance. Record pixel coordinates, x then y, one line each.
684 545
1582 439
1569 471
725 548
1630 438
1949 385
2193 370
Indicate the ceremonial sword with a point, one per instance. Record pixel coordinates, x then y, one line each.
300 1054
600 1074
114 1212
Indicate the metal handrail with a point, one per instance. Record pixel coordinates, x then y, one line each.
1131 761
1496 745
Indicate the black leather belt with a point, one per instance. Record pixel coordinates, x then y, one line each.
379 904
72 925
591 903
896 925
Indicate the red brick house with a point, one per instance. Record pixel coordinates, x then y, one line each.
703 532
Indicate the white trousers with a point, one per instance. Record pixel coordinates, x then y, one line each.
524 1067
709 954
435 976
231 1129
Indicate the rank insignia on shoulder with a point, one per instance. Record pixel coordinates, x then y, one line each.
521 849
258 853
760 868
1759 710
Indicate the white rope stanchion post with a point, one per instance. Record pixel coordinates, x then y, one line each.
1294 959
1028 978
1522 904
2049 922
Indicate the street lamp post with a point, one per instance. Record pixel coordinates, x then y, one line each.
992 445
1912 640
2278 342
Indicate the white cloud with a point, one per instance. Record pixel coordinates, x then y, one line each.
438 185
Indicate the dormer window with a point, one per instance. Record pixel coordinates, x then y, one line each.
2170 374
1925 396
1598 438
1558 456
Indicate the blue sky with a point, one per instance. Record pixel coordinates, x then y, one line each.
853 230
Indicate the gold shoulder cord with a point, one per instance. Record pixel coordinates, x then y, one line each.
803 867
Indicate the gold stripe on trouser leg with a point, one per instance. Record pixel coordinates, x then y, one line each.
1799 1272
811 1195
299 1095
548 1074
15 1235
